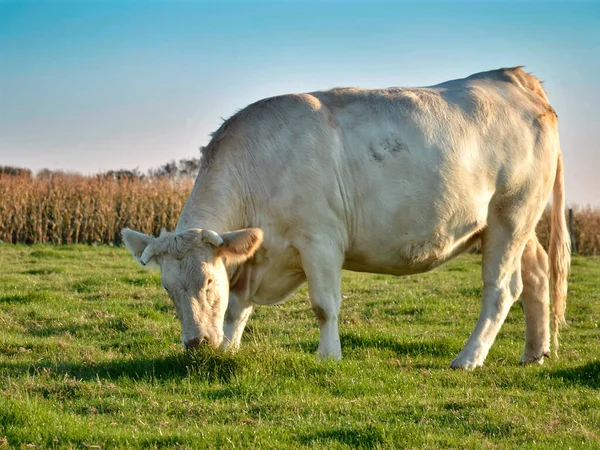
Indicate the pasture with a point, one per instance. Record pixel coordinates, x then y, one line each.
90 357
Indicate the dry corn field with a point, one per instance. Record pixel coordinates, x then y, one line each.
69 209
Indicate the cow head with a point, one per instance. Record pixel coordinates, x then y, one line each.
193 272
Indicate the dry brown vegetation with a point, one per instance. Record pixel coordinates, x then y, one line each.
586 229
65 208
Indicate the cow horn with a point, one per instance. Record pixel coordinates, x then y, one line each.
147 255
211 237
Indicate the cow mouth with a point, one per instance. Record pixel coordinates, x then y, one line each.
203 341
194 343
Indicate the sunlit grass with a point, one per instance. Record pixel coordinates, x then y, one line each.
90 355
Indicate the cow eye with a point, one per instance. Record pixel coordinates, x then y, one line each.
209 282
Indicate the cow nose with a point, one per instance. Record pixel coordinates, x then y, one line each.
192 343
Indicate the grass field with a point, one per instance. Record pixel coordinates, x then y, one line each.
90 357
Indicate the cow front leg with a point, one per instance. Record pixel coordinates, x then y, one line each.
323 268
326 311
236 317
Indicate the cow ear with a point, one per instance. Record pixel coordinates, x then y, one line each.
137 243
239 246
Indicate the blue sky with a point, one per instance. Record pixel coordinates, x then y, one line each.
96 85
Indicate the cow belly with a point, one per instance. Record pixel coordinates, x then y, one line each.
406 257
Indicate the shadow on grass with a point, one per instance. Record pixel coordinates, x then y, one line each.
354 341
16 298
587 375
208 365
430 348
73 329
29 297
44 271
355 437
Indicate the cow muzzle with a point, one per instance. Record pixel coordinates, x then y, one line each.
193 343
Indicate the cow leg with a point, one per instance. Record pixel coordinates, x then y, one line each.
323 268
238 313
536 302
502 285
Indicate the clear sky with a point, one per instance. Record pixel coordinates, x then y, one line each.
94 85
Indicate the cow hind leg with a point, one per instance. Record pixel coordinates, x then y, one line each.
323 268
503 246
536 302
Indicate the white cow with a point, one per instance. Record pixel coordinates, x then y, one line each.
394 181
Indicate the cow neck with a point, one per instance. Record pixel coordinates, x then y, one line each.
213 208
212 205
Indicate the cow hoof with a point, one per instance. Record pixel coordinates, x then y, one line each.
464 363
329 356
532 359
229 346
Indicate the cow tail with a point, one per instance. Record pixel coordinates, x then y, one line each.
559 253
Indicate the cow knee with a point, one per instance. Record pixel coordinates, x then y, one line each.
320 314
329 341
516 285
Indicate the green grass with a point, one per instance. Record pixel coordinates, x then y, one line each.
90 355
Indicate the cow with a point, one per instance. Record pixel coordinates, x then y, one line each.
297 187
